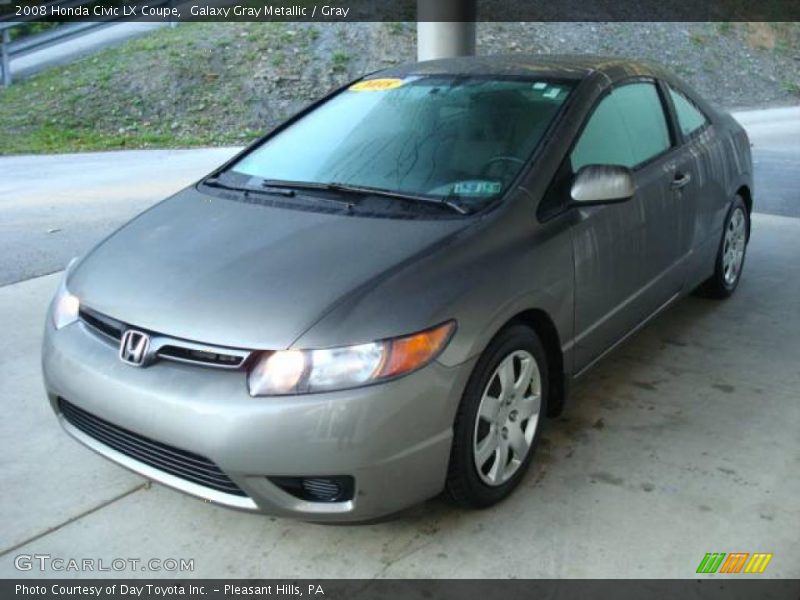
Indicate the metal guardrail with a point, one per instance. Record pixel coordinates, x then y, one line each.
38 41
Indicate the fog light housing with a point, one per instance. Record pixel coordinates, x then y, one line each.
338 488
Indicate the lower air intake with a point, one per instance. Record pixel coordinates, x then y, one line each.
180 463
317 489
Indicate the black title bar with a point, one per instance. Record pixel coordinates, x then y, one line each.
400 10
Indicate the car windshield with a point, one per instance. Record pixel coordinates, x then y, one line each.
439 137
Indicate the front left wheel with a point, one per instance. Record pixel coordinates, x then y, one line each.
499 420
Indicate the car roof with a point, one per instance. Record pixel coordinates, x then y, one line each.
554 66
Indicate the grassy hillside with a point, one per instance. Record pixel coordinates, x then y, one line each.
225 83
193 85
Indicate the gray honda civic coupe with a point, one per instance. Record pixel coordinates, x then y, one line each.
384 297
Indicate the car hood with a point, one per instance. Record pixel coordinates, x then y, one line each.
241 274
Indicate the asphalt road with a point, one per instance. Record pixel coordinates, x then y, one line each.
56 207
775 135
84 44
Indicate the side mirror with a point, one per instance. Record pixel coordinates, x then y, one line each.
602 184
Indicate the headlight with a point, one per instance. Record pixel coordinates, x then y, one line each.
307 371
65 305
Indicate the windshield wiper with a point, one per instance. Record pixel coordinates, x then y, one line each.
216 183
368 190
363 190
359 189
290 186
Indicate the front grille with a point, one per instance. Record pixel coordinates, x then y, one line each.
105 325
167 347
180 463
202 357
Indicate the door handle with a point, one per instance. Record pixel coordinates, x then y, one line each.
680 180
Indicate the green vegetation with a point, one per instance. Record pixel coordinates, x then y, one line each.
340 58
793 87
396 27
787 37
199 84
725 28
698 39
32 28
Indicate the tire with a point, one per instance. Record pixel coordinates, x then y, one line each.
731 253
502 407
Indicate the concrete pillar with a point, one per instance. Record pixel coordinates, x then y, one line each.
445 28
445 39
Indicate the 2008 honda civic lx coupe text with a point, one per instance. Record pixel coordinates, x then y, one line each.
385 296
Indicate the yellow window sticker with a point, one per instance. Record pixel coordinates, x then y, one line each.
376 85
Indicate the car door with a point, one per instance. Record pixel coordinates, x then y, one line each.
625 254
694 179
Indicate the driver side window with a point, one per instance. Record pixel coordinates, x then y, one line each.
604 140
627 128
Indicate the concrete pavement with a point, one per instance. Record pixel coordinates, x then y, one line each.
775 127
681 443
775 135
56 207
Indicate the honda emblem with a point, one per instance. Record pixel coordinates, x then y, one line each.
133 347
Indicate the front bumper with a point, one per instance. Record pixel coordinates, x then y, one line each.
393 438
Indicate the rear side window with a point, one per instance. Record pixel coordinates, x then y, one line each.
690 119
627 128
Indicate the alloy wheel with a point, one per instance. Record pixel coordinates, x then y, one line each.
734 246
507 418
